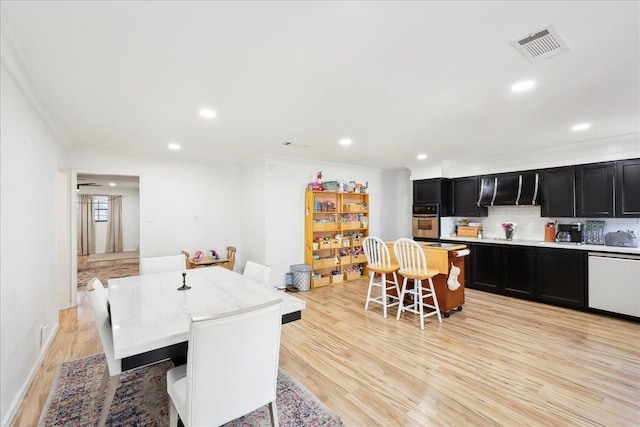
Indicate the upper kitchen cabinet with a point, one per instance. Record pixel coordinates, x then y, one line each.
628 188
465 194
594 183
437 190
559 192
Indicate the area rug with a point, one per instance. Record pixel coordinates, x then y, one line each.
122 268
141 399
113 256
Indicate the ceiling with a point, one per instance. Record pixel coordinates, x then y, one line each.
397 78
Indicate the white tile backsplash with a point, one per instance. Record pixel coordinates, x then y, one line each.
530 225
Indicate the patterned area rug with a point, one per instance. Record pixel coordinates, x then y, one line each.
141 399
123 268
113 256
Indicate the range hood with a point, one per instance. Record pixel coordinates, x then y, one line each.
513 189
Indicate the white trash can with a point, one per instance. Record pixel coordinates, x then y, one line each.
301 276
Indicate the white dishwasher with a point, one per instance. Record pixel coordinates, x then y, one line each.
614 283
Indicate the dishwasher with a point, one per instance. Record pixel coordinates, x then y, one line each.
614 283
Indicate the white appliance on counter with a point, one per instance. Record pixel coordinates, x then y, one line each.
614 283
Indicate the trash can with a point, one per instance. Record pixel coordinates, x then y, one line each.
301 276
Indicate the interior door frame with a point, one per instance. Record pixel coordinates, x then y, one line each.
73 224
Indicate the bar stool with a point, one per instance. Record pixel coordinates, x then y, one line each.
379 261
413 265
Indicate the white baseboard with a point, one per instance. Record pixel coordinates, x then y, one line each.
15 405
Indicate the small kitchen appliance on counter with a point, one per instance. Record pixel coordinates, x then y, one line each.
570 233
626 239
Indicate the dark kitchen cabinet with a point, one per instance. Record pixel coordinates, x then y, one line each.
437 190
560 276
594 184
504 269
518 271
486 268
464 198
559 192
628 188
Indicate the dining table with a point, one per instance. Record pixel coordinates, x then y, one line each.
150 317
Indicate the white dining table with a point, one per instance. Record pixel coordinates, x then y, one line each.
150 317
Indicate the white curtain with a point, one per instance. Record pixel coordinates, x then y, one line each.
86 226
114 225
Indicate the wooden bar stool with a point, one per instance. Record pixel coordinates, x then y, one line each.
379 261
413 265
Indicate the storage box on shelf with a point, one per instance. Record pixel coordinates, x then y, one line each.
335 225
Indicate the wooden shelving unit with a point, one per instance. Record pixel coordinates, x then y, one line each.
335 226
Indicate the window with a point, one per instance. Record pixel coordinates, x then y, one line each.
100 208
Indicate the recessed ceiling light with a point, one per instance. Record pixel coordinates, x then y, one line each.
207 114
345 141
174 146
112 184
422 156
581 126
523 86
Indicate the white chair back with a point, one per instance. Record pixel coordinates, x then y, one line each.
410 256
232 364
100 308
376 252
161 264
257 271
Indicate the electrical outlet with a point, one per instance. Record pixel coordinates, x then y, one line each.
43 333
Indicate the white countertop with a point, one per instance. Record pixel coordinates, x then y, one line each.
543 244
148 312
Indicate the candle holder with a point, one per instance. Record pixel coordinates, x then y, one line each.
184 286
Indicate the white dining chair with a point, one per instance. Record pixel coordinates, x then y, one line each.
413 265
111 378
379 262
161 264
257 271
231 369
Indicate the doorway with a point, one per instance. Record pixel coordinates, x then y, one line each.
107 230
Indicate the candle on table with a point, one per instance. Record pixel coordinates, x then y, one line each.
184 265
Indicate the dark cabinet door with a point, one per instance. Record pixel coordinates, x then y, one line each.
559 197
435 190
628 188
487 267
560 276
594 185
518 276
465 198
426 191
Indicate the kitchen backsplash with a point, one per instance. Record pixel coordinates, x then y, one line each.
530 225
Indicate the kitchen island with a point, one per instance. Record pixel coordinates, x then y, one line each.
441 256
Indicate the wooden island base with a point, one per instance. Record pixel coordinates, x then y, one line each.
441 256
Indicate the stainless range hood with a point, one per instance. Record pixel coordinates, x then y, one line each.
512 189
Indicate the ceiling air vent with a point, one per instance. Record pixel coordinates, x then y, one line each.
543 44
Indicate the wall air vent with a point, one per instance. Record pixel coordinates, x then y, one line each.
541 45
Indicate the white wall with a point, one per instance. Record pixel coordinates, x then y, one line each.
182 206
285 183
30 160
130 217
601 150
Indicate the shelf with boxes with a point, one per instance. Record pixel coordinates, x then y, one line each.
336 223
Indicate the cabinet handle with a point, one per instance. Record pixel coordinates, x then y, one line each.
535 192
481 191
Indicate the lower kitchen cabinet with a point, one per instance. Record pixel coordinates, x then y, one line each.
560 276
518 271
486 268
503 269
548 275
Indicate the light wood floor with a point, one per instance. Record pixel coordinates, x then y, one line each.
500 361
